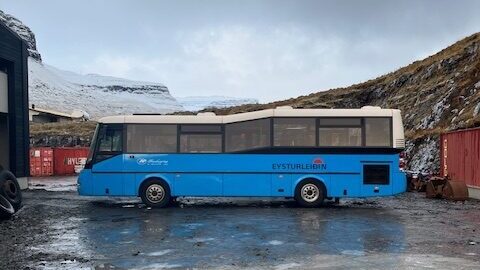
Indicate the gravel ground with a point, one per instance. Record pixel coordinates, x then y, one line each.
59 229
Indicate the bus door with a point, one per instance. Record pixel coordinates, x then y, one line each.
107 169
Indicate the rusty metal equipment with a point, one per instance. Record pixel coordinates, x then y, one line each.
420 182
455 191
443 187
434 187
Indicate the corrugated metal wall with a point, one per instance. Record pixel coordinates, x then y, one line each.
46 161
460 156
69 161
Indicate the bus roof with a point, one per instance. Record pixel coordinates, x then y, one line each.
211 118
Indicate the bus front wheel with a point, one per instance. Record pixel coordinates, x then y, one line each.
155 193
310 193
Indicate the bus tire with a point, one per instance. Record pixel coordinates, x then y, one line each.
10 189
155 193
310 193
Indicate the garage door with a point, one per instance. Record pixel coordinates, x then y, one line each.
3 92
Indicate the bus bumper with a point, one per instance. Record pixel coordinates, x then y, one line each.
85 183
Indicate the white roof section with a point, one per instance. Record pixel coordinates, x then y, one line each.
211 118
74 115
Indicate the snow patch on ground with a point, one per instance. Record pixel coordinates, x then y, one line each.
286 266
159 253
63 183
353 252
200 239
156 266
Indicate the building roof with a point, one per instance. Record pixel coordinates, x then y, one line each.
211 118
55 113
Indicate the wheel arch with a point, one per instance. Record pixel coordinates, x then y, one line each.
159 178
307 178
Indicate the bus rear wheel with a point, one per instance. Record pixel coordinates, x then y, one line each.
309 193
155 193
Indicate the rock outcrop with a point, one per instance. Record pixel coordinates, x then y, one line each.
24 32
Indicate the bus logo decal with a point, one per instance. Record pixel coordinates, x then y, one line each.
318 161
152 162
142 161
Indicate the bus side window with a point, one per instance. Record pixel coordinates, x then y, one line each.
109 142
292 132
340 132
378 131
247 135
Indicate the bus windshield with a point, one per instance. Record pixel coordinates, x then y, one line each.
92 145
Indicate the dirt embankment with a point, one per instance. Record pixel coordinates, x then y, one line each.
68 134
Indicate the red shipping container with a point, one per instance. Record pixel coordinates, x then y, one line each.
69 160
460 156
41 161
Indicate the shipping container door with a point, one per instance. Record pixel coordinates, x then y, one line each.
41 161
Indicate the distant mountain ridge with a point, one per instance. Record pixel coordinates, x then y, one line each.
97 95
196 103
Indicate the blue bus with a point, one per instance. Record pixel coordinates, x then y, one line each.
306 154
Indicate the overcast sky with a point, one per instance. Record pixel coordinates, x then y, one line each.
267 50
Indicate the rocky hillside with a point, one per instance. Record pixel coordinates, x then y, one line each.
439 93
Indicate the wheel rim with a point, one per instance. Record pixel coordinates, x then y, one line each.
155 193
6 205
310 193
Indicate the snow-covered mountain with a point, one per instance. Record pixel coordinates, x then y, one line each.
196 103
65 91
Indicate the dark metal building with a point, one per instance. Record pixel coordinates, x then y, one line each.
14 129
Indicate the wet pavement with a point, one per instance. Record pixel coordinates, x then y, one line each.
62 230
